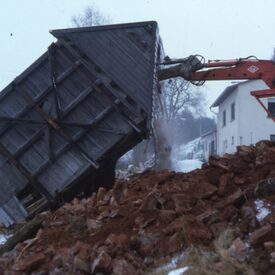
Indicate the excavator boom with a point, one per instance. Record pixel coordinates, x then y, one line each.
193 69
197 71
237 69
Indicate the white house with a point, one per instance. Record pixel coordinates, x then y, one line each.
209 142
241 119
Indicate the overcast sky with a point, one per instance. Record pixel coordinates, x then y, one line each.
216 29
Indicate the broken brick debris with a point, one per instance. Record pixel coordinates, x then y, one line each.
127 229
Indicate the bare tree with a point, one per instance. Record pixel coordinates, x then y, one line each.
178 96
91 17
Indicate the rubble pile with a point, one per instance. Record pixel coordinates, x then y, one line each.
141 223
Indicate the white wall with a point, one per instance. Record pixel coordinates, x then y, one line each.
225 133
253 120
207 140
251 123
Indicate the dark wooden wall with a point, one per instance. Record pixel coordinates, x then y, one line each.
65 114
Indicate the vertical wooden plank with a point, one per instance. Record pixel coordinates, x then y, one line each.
5 219
15 209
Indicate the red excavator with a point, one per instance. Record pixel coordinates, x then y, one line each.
197 71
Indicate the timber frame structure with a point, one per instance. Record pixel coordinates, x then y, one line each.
66 120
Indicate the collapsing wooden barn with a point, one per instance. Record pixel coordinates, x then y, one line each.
68 117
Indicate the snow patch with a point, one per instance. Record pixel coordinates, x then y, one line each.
263 209
188 157
3 239
178 271
187 165
172 268
190 150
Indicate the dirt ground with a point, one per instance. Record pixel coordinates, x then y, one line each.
140 224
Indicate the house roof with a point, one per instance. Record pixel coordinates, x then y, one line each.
209 133
224 95
229 90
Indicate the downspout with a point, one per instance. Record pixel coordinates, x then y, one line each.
217 136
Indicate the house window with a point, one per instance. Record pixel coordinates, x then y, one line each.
212 147
241 140
225 144
232 140
233 111
272 137
224 118
271 106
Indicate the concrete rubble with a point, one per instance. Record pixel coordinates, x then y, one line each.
141 223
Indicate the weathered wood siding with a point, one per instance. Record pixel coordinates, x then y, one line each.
64 115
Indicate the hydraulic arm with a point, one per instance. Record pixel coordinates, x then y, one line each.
196 70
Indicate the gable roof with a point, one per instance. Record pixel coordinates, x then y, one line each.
229 90
209 133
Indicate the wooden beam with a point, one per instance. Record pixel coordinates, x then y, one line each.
49 144
40 97
87 65
53 123
98 86
15 120
51 52
76 138
27 231
34 182
27 144
83 95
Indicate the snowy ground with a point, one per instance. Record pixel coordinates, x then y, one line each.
172 268
187 157
178 271
2 239
186 165
190 150
263 209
